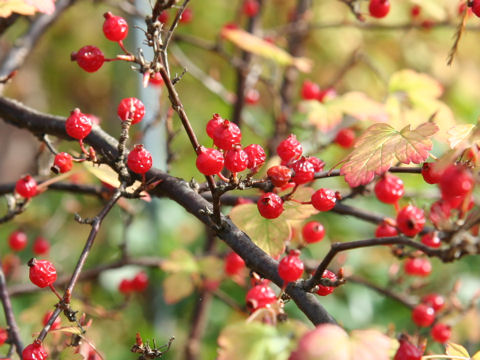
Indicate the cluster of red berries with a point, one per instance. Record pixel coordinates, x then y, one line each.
138 283
186 17
18 240
312 91
423 315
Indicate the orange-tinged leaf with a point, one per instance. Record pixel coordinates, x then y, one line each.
7 7
177 286
381 147
456 350
43 6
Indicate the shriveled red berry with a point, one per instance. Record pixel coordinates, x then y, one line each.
417 267
251 7
408 351
432 239
345 138
163 17
313 232
304 171
90 58
279 175
260 296
63 163
187 16
318 164
125 286
226 135
131 108
270 205
17 240
139 160
236 159
310 90
26 187
290 268
3 336
324 199
256 156
429 174
252 97
34 351
115 28
140 282
410 220
379 8
441 332
327 290
389 189
209 161
233 263
56 324
456 181
42 272
290 149
156 79
434 300
384 229
423 315
213 124
78 125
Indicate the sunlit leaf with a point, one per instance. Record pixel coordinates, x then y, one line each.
69 329
296 211
107 175
177 286
180 260
381 147
456 350
462 134
476 356
43 6
269 235
415 84
7 7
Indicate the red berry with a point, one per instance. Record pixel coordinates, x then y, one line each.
236 159
187 16
429 175
289 149
456 181
233 263
410 220
434 300
417 267
440 212
163 17
316 162
140 282
290 268
431 239
125 286
279 175
415 10
379 8
209 161
17 240
92 355
389 189
89 58
131 108
423 315
304 171
408 351
345 138
63 163
226 135
270 205
115 28
384 229
260 296
310 90
324 199
251 7
327 290
441 333
34 351
42 272
476 7
252 97
26 187
41 246
139 160
156 79
3 336
256 156
56 324
78 125
215 122
326 94
313 232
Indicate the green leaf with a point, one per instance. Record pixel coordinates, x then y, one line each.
177 286
180 260
296 211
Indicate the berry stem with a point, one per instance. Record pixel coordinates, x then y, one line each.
55 292
82 146
120 43
221 176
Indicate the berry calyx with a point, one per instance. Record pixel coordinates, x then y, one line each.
140 282
384 229
456 181
407 351
56 323
423 315
226 135
410 220
115 28
234 264
441 332
434 300
131 109
345 138
279 175
34 351
431 239
41 246
256 156
327 290
251 7
379 8
260 296
63 163
290 268
90 58
209 161
3 336
290 149
270 205
26 187
139 160
313 232
389 189
310 90
17 240
417 267
324 199
212 125
42 272
78 125
236 159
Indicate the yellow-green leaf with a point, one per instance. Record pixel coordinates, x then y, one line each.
476 356
69 329
456 350
7 7
211 268
69 353
296 211
177 286
415 85
180 260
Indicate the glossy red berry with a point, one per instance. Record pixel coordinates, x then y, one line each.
290 268
410 220
313 232
324 199
345 138
310 90
63 163
187 16
476 7
434 300
156 79
17 240
226 135
260 296
139 160
389 189
209 161
289 149
456 181
56 324
318 164
252 97
429 174
115 28
236 159
279 175
42 272
423 315
270 205
327 290
125 286
379 8
34 351
251 7
441 333
41 246
89 58
3 336
256 156
303 170
140 282
408 351
215 122
131 108
163 17
432 239
417 267
384 229
26 187
234 264
78 125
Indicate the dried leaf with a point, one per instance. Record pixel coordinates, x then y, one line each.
7 7
381 147
177 286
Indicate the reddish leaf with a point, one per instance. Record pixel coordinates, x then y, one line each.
43 6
